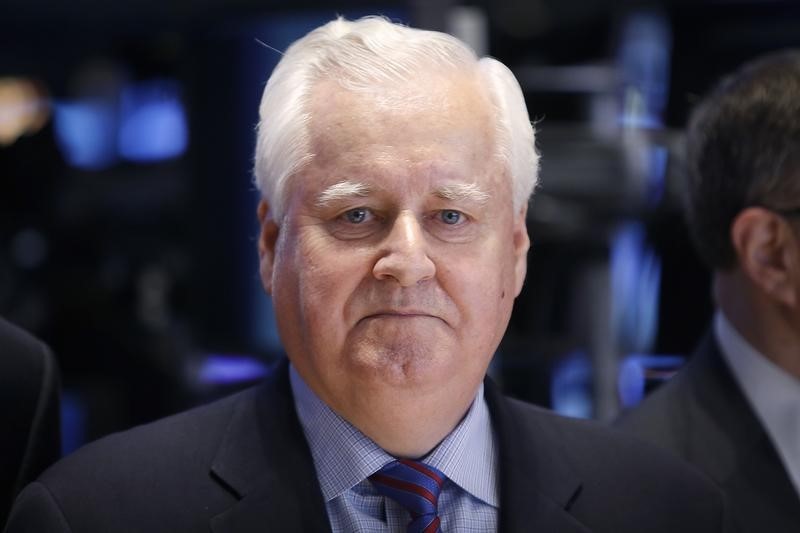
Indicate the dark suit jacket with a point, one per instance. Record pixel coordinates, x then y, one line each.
242 465
702 416
29 415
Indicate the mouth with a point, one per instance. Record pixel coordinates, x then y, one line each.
399 315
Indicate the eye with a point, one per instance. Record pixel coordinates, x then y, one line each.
356 216
450 216
453 226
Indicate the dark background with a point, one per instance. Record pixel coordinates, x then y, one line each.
127 214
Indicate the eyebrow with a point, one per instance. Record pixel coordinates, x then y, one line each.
463 191
453 192
342 190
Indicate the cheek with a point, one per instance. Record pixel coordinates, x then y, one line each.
493 267
485 290
306 298
326 278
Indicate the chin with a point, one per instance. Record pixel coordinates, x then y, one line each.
404 362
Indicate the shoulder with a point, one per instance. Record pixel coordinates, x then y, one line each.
16 338
663 416
28 377
29 382
175 474
155 477
22 352
595 448
624 483
188 439
666 417
173 443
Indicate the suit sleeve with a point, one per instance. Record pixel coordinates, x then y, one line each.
36 511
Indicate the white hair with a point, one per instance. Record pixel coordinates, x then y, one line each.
364 53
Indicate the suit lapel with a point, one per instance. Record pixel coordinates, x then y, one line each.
726 439
265 462
537 484
724 426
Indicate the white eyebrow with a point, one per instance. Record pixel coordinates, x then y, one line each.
341 191
463 191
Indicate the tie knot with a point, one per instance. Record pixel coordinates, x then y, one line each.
415 486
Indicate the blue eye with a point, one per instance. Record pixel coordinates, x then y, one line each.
356 216
449 216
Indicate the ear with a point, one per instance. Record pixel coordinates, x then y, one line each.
522 244
267 240
767 251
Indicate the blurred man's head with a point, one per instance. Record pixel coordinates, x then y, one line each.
744 152
743 200
393 223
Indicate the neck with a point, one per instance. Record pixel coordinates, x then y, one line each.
767 325
393 419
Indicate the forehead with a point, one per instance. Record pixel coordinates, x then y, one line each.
442 125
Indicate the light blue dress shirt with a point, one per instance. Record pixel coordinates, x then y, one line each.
344 458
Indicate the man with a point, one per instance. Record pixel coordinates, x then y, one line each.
395 169
734 411
29 395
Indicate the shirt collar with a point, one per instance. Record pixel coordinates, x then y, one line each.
772 392
343 456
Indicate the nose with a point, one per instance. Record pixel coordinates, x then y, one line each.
404 255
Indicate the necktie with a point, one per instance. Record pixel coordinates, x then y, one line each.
415 486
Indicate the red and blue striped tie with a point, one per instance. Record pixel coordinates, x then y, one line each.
415 486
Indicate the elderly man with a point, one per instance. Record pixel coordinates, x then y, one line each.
734 412
395 168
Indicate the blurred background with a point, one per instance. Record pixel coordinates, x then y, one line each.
127 213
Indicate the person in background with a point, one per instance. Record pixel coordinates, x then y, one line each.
734 411
29 416
395 169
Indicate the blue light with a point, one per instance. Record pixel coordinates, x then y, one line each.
657 158
221 369
636 370
571 386
644 62
635 281
86 132
73 421
153 122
